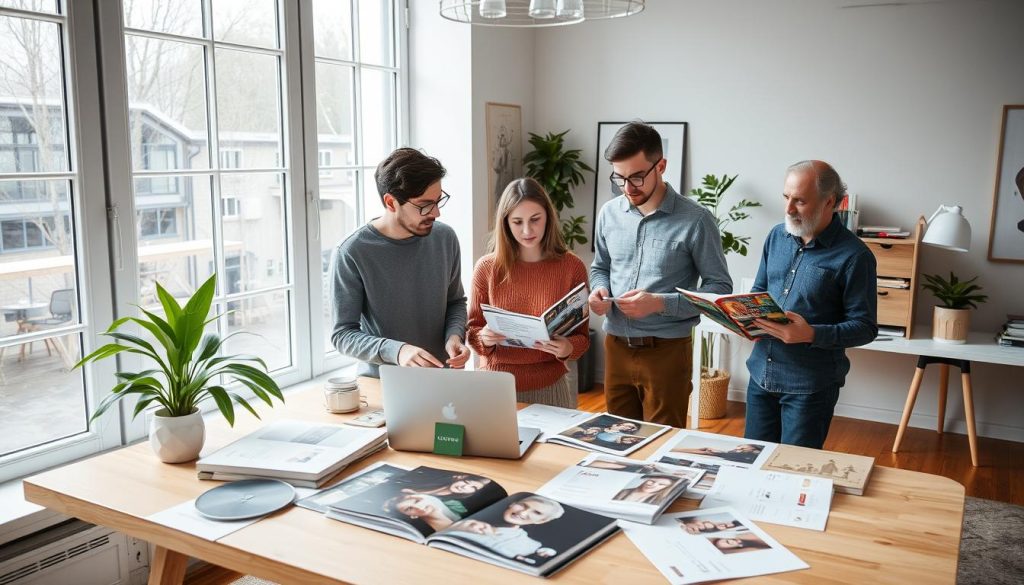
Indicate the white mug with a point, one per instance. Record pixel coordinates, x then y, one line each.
341 395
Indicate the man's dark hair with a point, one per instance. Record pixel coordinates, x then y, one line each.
406 173
633 138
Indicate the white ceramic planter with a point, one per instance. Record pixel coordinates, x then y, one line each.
176 439
951 325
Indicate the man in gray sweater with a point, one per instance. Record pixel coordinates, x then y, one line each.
397 288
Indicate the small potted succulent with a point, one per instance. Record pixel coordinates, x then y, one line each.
952 319
189 370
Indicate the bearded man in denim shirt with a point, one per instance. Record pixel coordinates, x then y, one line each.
825 279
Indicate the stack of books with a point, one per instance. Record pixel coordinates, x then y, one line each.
304 454
888 282
882 231
1012 334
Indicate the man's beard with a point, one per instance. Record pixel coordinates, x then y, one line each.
804 228
417 228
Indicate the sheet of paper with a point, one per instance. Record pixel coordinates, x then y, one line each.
768 496
712 453
186 518
550 419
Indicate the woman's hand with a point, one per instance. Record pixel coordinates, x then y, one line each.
559 346
489 337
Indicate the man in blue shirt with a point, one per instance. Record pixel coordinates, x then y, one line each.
648 241
824 277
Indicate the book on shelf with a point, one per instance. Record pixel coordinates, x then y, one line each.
473 516
620 487
561 318
891 331
893 282
608 433
890 234
800 501
737 312
305 454
710 545
849 473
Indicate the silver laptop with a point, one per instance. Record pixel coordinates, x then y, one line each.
483 402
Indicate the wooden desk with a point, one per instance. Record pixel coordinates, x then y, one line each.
905 529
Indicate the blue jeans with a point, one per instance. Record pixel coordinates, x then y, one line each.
793 419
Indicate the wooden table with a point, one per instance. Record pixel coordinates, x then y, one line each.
905 529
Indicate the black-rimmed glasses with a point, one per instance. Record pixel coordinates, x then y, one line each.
636 180
429 207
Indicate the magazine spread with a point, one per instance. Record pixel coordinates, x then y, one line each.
550 419
710 545
561 318
737 312
768 496
292 450
619 487
711 452
359 482
473 516
607 433
849 473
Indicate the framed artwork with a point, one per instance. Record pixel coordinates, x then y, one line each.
504 151
1006 236
673 147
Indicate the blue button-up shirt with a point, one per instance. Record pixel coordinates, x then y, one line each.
673 246
830 282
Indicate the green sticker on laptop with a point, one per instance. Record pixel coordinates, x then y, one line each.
448 438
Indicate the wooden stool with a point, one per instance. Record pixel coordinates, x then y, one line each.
965 381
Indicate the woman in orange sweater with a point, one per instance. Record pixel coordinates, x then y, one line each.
529 269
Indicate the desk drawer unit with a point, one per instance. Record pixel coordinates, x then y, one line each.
895 260
893 307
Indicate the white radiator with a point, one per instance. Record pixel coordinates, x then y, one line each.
75 553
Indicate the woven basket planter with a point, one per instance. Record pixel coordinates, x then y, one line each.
713 393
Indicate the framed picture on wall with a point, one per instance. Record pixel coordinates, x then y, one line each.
504 151
673 147
1006 236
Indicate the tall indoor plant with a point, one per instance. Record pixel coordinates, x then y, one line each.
187 371
952 319
558 170
714 381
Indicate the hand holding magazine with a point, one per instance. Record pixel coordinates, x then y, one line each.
737 312
619 487
561 318
471 515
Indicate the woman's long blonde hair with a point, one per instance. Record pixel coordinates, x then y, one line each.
504 244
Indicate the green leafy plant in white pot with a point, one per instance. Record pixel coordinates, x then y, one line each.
188 371
951 320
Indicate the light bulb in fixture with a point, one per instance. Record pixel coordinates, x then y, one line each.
542 9
492 8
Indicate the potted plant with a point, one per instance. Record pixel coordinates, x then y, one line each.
186 374
714 382
952 319
558 170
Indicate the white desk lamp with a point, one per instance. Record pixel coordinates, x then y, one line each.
948 228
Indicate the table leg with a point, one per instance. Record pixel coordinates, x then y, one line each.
695 378
972 433
168 567
943 387
908 408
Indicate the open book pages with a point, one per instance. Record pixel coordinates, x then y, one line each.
607 433
550 419
738 312
710 452
292 450
849 473
769 496
620 487
526 532
358 482
710 545
561 318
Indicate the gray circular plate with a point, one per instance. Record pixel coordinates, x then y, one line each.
247 498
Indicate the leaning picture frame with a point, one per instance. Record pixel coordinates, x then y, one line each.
504 151
673 146
1006 233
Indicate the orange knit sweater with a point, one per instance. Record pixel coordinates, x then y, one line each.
531 288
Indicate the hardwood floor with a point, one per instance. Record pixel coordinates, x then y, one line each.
1000 476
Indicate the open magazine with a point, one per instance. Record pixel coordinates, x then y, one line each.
710 452
623 488
737 312
473 516
608 433
550 419
710 545
322 500
561 318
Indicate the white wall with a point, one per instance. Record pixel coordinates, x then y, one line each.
905 101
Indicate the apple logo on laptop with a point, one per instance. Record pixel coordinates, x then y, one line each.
448 411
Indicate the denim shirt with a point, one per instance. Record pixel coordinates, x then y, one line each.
830 282
673 246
